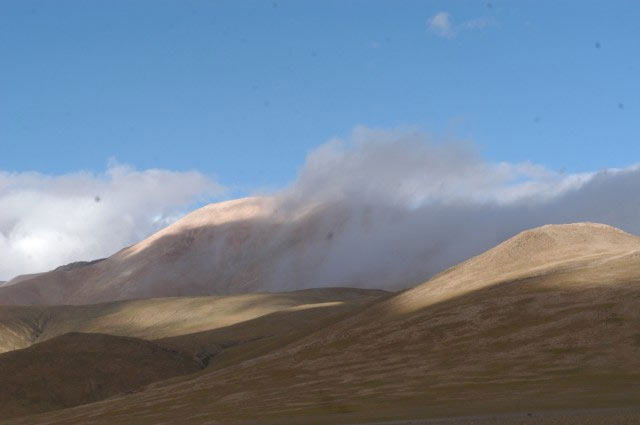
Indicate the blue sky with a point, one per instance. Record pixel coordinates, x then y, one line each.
245 89
200 101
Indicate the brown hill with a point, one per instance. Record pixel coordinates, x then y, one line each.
22 326
207 331
78 368
546 320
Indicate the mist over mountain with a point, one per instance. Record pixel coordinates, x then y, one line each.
386 209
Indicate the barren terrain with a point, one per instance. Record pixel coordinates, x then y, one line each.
545 321
48 364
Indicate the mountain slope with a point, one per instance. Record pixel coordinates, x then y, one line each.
22 326
80 368
548 319
231 247
62 368
186 258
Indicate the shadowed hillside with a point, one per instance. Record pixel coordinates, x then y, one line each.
548 319
68 369
80 368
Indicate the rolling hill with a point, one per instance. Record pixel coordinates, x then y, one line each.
22 326
61 356
549 319
80 368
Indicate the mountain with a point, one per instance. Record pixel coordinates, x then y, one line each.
197 255
547 320
265 244
231 247
62 356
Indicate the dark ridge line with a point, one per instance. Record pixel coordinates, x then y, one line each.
77 265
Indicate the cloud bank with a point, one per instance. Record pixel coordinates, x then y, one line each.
394 208
378 209
47 221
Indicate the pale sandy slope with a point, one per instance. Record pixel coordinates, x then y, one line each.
549 319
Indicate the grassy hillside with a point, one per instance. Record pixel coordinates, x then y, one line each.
21 326
78 368
61 369
547 320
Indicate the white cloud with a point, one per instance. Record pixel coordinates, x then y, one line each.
442 25
400 207
47 221
405 167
